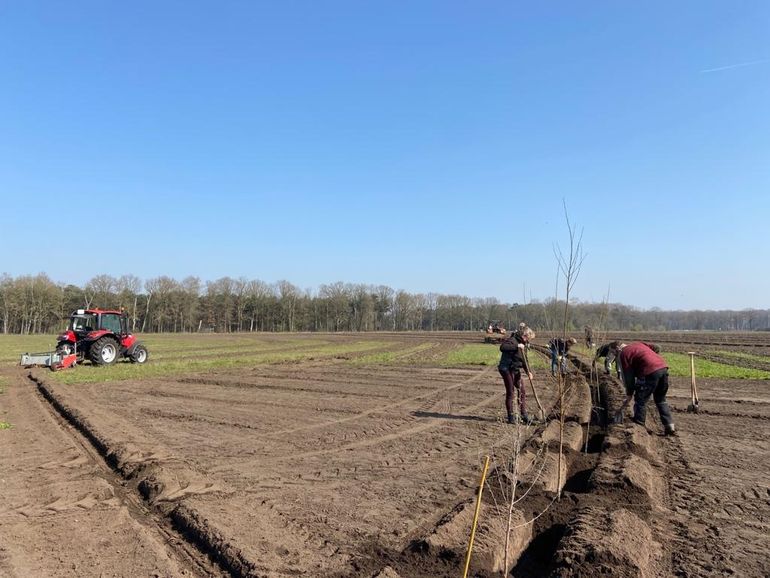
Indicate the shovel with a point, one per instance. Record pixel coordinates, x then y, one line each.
693 407
532 385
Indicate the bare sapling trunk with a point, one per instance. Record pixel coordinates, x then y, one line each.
569 266
512 499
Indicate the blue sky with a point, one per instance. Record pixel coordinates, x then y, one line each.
427 146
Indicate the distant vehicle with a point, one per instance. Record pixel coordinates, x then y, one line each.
495 327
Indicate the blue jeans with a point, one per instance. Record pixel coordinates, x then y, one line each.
608 361
555 362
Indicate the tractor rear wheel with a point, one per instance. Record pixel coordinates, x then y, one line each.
104 351
139 355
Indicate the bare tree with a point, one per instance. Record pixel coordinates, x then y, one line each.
288 295
569 265
128 288
102 291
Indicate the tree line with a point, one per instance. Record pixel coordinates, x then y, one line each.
36 304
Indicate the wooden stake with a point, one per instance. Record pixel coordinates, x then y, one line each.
693 387
476 517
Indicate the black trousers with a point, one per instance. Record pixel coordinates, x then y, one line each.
656 386
512 380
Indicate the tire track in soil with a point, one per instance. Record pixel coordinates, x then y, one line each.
731 414
383 408
696 540
282 515
720 498
387 437
177 526
322 374
64 481
382 431
385 430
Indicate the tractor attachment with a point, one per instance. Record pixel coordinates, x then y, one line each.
55 360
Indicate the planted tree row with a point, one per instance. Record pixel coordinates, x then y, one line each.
37 304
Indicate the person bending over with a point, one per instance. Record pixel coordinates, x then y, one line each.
645 375
559 348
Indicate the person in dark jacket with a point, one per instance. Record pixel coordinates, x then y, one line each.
559 348
512 360
645 375
608 351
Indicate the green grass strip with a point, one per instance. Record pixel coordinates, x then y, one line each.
391 357
472 354
87 373
679 366
12 346
202 344
5 425
745 356
485 354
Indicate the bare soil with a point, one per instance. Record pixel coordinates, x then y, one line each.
327 468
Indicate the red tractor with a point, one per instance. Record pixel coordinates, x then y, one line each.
100 336
495 327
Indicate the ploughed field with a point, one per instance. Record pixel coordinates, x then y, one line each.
361 455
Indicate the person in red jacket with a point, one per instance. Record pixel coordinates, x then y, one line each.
512 360
645 375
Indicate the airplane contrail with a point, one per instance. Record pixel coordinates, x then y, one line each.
729 66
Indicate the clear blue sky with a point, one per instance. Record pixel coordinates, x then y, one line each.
427 146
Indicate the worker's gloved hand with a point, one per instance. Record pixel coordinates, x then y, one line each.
522 346
531 377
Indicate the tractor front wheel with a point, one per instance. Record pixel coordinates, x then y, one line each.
104 351
139 354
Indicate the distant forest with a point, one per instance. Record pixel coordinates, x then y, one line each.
36 304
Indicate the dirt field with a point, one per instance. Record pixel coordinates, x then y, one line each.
332 465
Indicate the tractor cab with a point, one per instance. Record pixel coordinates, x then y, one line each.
83 321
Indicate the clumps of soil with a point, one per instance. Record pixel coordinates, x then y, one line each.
632 439
581 468
449 538
387 572
550 520
572 435
158 483
372 560
630 480
197 531
608 543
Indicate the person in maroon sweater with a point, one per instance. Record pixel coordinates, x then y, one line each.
645 375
